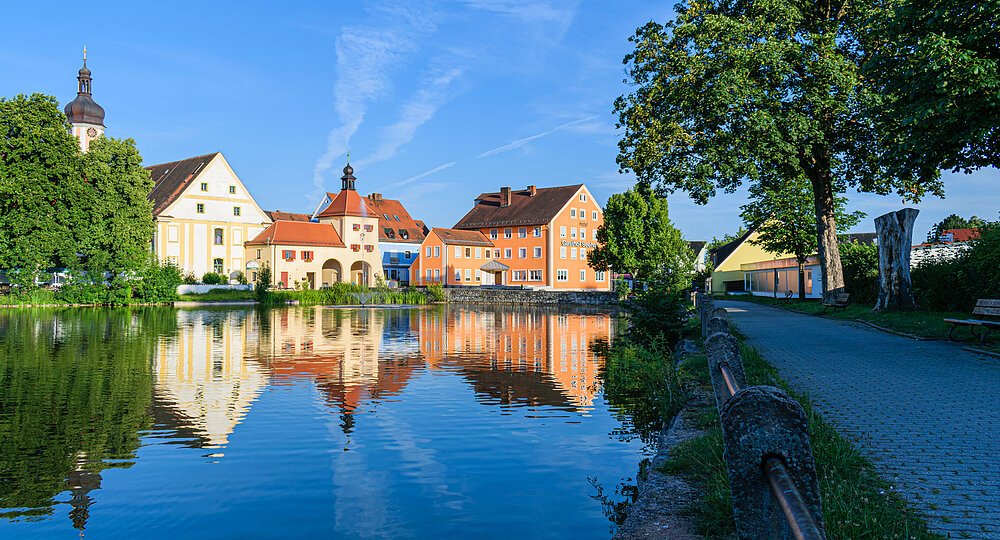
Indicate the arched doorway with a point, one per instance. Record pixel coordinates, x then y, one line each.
361 273
332 272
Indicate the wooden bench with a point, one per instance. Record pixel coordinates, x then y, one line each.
839 301
985 307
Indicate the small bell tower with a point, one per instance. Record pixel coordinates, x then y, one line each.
85 116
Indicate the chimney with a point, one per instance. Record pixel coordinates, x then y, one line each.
532 190
375 197
505 197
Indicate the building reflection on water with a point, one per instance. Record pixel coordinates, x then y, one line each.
207 375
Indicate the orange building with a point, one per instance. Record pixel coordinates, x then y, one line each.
541 235
454 257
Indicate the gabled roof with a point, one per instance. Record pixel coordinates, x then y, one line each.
861 238
962 235
696 245
463 238
524 208
170 179
298 233
347 203
721 253
278 215
393 218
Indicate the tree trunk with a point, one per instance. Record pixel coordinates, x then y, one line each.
895 238
826 235
802 280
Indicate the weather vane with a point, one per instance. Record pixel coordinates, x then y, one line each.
84 54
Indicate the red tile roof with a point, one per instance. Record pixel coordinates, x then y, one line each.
347 203
170 179
962 235
394 223
278 215
298 233
464 238
524 208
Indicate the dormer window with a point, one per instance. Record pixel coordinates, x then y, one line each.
389 232
403 234
395 216
386 216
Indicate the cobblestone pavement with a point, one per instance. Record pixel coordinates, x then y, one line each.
927 413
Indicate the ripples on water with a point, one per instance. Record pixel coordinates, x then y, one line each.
306 422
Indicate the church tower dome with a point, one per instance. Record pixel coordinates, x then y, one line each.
85 116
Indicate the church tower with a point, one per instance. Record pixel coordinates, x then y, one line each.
86 117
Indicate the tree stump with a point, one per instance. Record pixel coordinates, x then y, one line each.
895 238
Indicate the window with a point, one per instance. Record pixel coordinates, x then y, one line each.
562 231
595 215
288 254
468 253
468 274
536 275
408 254
508 233
479 275
355 247
236 210
356 227
204 186
232 189
583 275
437 274
496 253
258 253
572 253
507 253
307 256
522 253
562 275
493 234
428 274
538 252
479 253
599 275
369 248
217 266
583 197
172 233
522 232
218 237
437 251
395 216
520 275
200 208
458 275
562 252
583 233
572 232
458 252
369 228
428 251
538 232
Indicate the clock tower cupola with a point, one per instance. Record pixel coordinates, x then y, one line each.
85 116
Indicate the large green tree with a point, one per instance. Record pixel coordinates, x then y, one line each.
637 237
121 226
783 216
41 189
764 92
954 221
936 67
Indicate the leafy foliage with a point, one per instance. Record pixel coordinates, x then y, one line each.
956 284
435 291
935 68
263 283
953 221
211 278
860 270
638 237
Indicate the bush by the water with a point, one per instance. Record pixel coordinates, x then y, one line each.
151 284
211 278
435 292
639 377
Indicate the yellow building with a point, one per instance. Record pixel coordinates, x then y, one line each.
203 215
741 266
341 247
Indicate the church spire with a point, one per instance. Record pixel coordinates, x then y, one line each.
84 114
347 181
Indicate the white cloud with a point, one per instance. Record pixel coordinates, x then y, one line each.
521 142
424 174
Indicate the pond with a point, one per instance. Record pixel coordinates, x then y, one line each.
308 422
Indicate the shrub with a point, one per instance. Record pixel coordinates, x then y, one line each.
211 278
860 263
158 284
955 284
658 313
263 283
80 289
190 279
435 291
240 277
983 262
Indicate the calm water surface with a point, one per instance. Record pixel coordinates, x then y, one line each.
307 422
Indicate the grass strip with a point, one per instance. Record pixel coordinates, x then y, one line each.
857 503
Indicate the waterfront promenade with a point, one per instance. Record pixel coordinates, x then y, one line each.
925 412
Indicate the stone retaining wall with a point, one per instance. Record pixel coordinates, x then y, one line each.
202 289
529 297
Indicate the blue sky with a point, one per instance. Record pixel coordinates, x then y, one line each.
437 101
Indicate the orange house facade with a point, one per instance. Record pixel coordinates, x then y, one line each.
541 235
455 258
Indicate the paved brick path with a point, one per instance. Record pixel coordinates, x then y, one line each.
927 412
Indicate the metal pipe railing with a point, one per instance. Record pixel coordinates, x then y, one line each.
800 520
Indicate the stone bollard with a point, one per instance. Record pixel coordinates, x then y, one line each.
706 308
723 348
717 325
718 312
760 422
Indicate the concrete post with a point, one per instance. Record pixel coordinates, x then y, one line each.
722 348
757 423
717 325
706 307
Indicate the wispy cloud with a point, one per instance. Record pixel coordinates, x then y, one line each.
434 92
366 56
424 174
521 142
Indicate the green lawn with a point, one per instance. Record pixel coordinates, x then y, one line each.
857 503
927 324
218 295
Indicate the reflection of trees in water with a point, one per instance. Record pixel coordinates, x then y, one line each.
75 390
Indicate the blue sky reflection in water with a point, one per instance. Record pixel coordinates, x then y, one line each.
306 422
